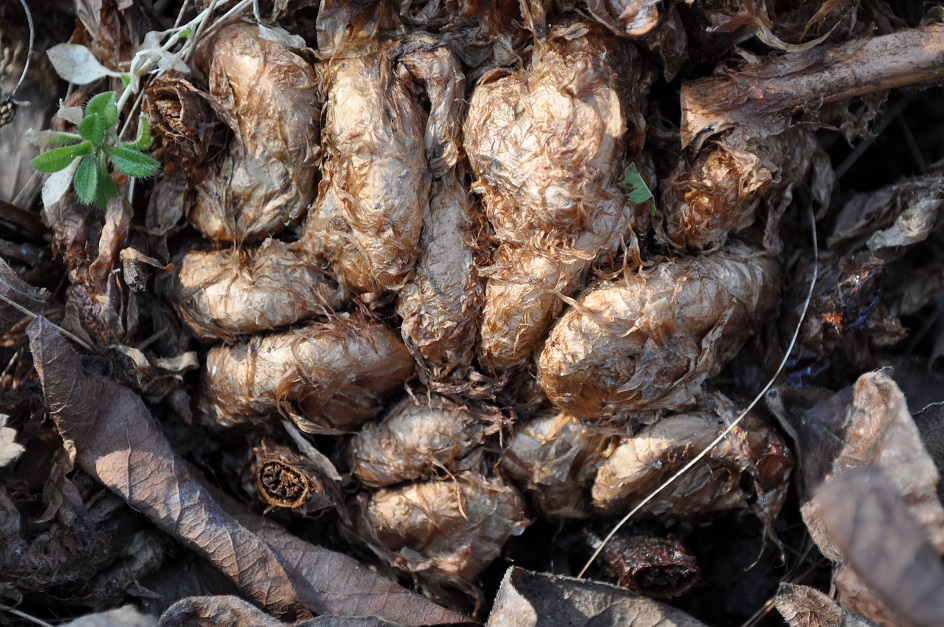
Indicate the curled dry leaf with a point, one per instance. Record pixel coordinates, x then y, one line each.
655 566
650 340
269 96
528 599
375 183
546 144
334 583
554 457
890 219
117 442
749 468
15 289
864 425
443 532
417 438
229 292
337 373
218 610
873 530
802 606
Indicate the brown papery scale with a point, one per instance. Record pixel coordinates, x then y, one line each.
655 566
554 458
337 374
546 144
441 301
443 532
748 468
269 96
649 340
375 183
228 292
417 438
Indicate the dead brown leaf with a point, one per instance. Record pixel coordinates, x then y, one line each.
13 288
873 529
116 441
528 599
802 606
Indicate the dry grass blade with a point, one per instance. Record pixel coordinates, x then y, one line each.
735 423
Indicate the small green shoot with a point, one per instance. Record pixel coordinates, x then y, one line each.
87 154
636 189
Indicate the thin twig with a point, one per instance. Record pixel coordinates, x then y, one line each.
29 52
24 615
32 316
734 424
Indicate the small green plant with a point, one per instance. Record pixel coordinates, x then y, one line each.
636 189
87 154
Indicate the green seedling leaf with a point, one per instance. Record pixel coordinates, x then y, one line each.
186 33
104 105
92 128
86 179
125 79
143 140
132 162
58 158
62 139
106 186
636 189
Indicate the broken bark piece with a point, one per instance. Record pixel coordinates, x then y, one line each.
338 374
802 606
749 468
442 532
553 457
650 340
416 439
269 96
759 98
221 294
546 144
117 442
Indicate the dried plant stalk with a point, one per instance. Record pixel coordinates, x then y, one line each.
554 457
269 96
375 183
546 146
443 532
225 293
415 439
283 478
649 340
750 467
337 373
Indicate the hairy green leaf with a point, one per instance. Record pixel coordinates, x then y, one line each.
92 128
132 162
104 105
86 179
58 158
143 140
106 186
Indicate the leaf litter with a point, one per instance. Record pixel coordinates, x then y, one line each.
420 378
